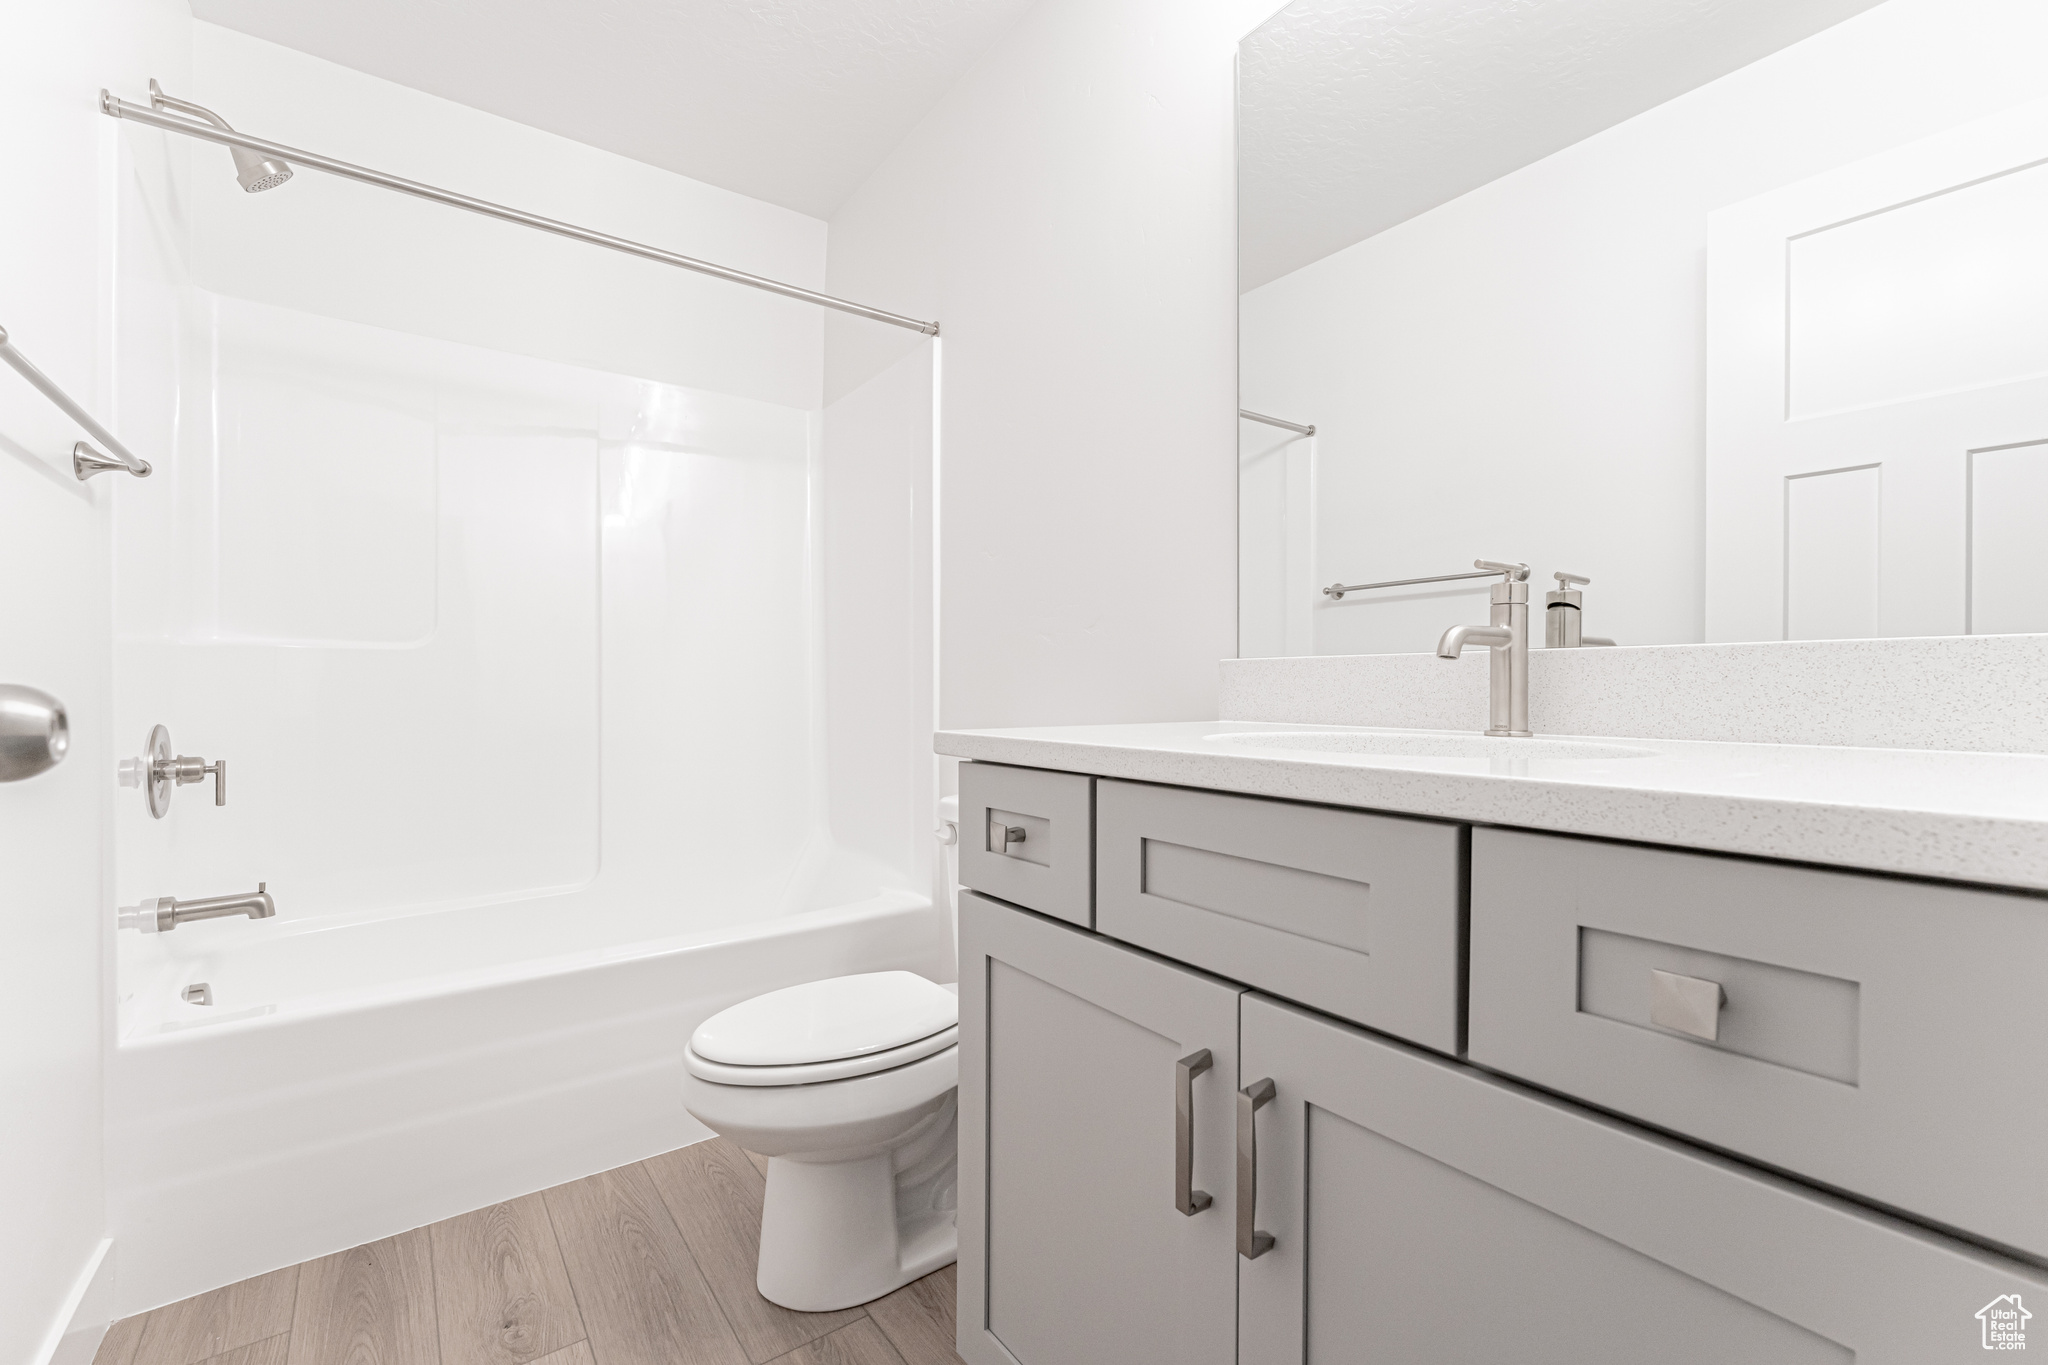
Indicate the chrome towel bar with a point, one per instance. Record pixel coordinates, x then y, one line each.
85 461
1337 590
1251 416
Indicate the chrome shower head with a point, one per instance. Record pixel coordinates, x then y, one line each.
255 171
258 172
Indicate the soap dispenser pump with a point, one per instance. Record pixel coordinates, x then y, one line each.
1562 614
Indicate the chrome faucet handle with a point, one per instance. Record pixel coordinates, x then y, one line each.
189 770
157 772
1516 573
1565 581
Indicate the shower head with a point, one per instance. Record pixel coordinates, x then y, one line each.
258 172
255 171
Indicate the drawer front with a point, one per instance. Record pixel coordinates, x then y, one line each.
1355 914
1884 1037
1051 868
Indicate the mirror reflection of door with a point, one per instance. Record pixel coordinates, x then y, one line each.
1475 256
1877 431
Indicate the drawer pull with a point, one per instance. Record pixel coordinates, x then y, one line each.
1186 1197
1251 1243
1686 1004
1001 836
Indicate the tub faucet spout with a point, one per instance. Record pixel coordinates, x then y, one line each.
1507 638
165 913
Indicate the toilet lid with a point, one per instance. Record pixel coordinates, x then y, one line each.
824 1021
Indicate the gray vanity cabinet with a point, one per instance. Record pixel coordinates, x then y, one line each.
1424 1212
1073 1245
1371 1200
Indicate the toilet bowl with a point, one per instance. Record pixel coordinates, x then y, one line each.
847 1086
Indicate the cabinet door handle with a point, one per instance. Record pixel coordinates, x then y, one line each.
1251 1243
1001 836
1186 1197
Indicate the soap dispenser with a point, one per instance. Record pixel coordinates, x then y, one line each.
1562 614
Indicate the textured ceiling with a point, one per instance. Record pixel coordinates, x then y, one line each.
1355 115
791 101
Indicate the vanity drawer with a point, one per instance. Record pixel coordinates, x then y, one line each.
1354 914
1885 1037
1051 869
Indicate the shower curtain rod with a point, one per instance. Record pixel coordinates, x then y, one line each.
120 108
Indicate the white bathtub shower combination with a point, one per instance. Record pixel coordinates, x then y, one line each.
523 669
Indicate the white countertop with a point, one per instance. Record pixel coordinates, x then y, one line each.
1977 817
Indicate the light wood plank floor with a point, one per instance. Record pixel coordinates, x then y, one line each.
650 1264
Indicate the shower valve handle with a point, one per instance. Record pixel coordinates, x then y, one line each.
158 773
185 771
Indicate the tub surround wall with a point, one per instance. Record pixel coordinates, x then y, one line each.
1980 693
875 492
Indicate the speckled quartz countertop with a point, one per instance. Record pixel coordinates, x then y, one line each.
1977 817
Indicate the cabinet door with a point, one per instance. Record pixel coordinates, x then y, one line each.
1073 1245
1423 1211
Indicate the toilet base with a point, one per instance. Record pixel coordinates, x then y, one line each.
839 1233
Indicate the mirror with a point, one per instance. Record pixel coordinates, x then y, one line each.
1732 307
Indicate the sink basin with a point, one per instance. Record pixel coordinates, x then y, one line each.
1395 744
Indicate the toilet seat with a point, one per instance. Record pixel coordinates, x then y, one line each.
826 1030
809 1073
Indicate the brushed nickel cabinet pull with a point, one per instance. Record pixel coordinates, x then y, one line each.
1186 1197
1686 1004
1251 1243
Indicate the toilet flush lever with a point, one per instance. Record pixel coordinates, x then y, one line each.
1001 836
158 773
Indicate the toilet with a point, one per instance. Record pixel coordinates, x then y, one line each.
847 1086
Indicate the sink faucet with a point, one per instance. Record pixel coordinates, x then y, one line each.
1508 638
165 913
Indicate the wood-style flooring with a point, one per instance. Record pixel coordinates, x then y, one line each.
649 1264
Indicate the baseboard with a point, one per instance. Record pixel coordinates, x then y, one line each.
74 1337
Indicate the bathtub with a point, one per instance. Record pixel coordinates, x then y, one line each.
356 1078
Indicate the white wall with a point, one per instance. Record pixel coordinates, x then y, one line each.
54 634
332 247
1519 374
1067 213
